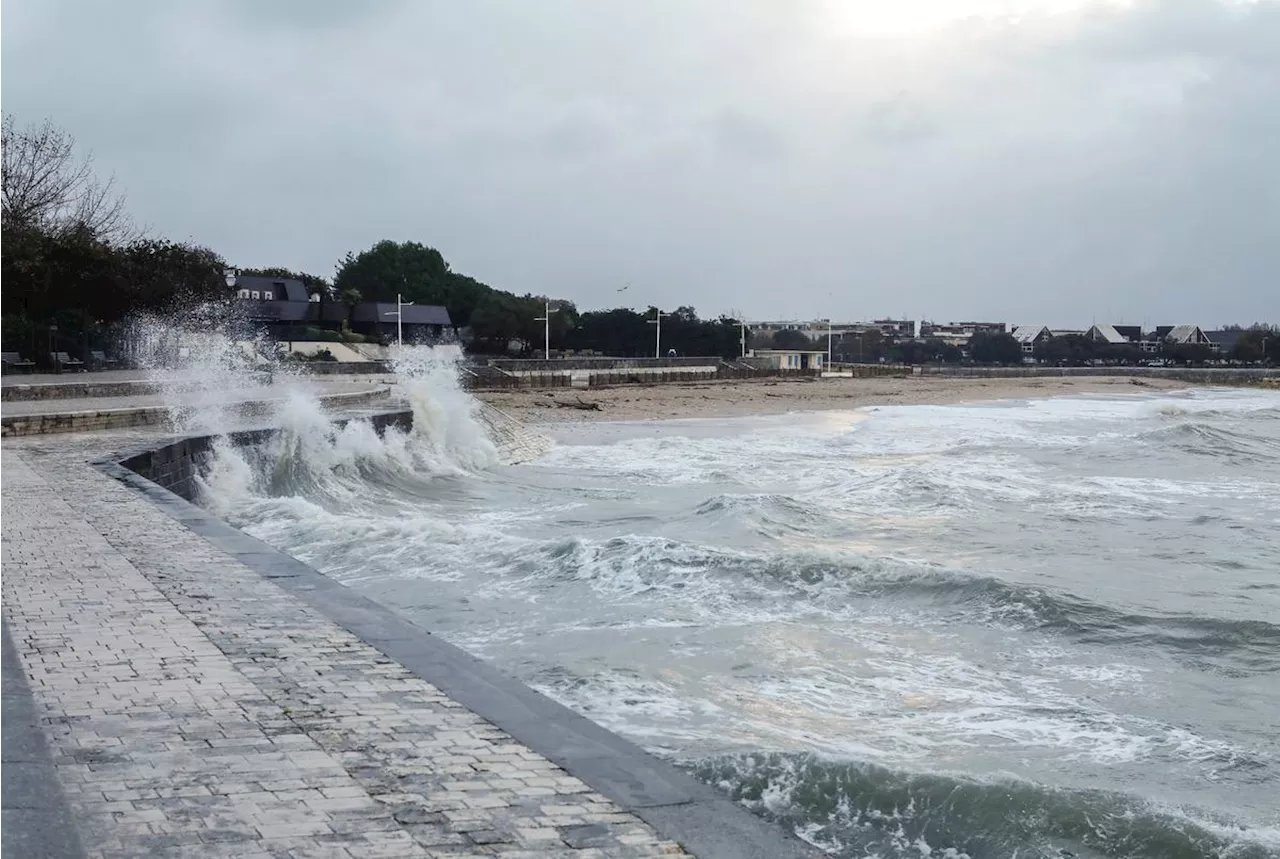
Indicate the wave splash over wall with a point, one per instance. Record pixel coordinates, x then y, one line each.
313 457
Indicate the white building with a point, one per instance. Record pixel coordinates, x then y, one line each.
790 359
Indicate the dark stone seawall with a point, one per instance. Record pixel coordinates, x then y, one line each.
175 465
1201 375
680 808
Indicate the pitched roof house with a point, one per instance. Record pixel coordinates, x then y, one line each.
1029 335
1186 334
1107 334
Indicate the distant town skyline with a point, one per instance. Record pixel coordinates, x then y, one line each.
1106 162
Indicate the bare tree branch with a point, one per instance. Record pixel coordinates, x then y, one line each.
48 189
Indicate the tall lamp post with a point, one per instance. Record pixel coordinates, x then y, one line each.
545 319
828 342
742 336
656 321
398 313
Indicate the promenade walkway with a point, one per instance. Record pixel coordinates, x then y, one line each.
194 708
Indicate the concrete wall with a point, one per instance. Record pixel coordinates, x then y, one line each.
345 368
638 376
517 365
1208 375
175 464
84 421
69 419
76 390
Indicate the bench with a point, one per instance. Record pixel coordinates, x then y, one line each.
14 363
64 359
100 360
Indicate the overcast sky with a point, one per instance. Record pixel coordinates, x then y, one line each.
941 158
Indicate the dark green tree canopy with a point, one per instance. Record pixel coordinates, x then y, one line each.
789 338
986 347
414 271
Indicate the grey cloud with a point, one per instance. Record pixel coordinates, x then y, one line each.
720 154
737 134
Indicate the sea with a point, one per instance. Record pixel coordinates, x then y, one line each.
1021 628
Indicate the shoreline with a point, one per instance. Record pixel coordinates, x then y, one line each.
197 690
745 398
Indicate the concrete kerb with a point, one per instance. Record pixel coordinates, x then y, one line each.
675 804
35 819
73 420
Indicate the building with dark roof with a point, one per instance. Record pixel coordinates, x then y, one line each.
258 288
1224 340
286 308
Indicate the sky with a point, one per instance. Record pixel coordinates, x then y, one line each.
1043 161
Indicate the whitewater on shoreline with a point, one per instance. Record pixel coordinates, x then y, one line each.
1001 624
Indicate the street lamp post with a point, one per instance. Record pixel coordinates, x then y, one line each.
742 336
545 319
656 321
828 342
398 313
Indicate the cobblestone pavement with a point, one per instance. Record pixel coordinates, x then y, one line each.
195 709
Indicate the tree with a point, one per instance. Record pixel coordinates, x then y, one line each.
621 331
1256 345
1125 354
1186 353
928 351
166 275
50 190
789 338
414 271
986 347
1074 350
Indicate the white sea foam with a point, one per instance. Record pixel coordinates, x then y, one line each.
934 587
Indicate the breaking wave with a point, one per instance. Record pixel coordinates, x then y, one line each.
315 458
736 583
865 810
1200 437
987 624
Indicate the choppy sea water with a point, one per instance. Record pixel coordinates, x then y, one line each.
1032 628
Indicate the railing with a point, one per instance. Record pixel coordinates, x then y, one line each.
708 370
525 365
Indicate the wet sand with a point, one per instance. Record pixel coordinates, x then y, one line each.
777 396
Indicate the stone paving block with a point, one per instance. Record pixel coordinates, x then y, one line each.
193 708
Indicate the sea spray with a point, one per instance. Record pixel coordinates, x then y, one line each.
310 455
207 363
444 418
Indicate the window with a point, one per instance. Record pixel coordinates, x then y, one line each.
244 293
254 295
266 296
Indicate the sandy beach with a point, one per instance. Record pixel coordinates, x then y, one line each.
775 396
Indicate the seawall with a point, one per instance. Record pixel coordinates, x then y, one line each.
1202 375
626 803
